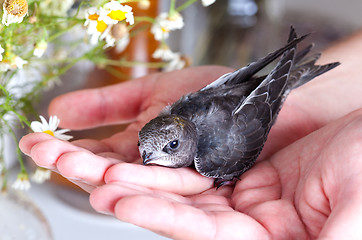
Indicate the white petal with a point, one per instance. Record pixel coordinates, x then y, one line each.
61 131
41 175
130 18
62 136
207 3
53 123
22 185
36 126
44 123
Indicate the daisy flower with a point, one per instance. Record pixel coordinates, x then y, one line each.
19 62
40 48
114 12
12 63
166 23
14 11
109 39
22 182
98 29
50 128
122 43
95 27
207 3
164 53
4 66
41 175
176 63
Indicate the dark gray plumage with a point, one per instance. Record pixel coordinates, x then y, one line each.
222 128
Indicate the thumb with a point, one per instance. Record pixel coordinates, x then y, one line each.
114 104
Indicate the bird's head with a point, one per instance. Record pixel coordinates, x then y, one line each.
169 141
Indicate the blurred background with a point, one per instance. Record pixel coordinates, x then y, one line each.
234 32
229 32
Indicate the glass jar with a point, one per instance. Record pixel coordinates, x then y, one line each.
21 218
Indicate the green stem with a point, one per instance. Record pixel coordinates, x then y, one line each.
58 34
18 151
144 19
4 171
122 63
185 5
172 7
79 7
9 108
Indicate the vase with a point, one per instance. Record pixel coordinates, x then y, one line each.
21 218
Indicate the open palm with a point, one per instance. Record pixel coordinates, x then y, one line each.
295 191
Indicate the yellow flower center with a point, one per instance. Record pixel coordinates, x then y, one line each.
165 30
49 132
16 7
117 15
101 26
93 17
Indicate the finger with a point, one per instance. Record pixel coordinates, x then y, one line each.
184 181
346 218
45 149
103 199
175 219
209 200
86 187
330 199
118 103
125 144
28 141
92 145
180 221
84 167
73 162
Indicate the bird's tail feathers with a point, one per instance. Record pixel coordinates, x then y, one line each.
305 68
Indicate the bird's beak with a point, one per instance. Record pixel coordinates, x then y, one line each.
146 161
146 157
152 157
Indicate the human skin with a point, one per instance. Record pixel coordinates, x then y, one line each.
305 184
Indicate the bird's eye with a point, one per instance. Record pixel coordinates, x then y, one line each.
173 144
138 144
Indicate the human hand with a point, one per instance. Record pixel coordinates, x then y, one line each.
310 189
137 102
174 202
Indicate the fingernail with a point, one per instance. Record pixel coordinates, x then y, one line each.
106 213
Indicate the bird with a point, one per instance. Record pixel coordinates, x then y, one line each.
221 129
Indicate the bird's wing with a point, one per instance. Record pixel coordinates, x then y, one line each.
229 149
272 88
245 74
244 138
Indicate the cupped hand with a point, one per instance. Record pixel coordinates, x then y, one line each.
309 189
295 192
